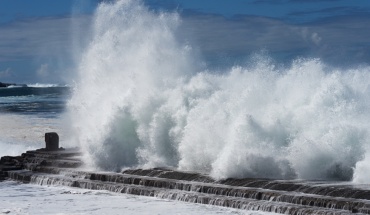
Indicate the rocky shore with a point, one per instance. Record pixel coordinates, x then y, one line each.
5 84
11 84
57 166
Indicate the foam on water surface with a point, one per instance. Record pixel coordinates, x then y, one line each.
41 85
20 133
18 198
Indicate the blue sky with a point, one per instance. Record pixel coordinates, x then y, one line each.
38 43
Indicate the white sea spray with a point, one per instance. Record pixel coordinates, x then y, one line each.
141 100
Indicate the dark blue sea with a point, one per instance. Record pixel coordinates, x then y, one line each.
27 113
40 100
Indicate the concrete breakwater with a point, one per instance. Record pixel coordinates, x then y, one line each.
63 167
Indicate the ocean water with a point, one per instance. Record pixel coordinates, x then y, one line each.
23 199
142 98
27 113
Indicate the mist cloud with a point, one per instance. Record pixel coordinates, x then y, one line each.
5 73
37 37
56 41
38 41
340 40
43 71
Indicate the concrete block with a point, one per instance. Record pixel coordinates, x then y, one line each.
52 141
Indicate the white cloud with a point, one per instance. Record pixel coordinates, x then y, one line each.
56 40
43 71
310 37
29 43
43 37
316 39
6 73
345 36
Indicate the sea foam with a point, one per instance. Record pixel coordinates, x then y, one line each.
142 99
20 133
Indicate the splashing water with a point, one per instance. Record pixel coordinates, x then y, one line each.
141 100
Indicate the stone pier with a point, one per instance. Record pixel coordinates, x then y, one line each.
57 166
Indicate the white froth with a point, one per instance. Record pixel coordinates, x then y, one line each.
23 199
141 101
40 85
20 133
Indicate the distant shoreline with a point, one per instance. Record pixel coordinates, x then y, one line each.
37 85
6 84
11 84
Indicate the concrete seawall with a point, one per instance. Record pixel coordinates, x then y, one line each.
63 167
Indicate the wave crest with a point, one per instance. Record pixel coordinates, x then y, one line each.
141 101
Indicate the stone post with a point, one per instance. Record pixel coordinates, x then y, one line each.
52 141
